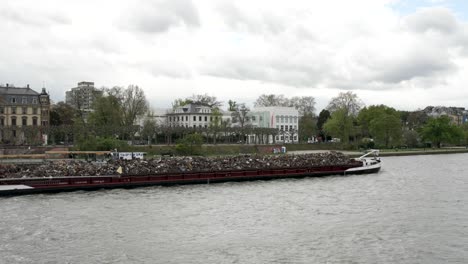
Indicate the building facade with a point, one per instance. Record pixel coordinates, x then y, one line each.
82 98
285 119
190 115
24 115
457 115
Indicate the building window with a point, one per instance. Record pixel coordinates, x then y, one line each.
200 118
34 121
277 119
206 118
290 127
260 118
211 119
282 127
24 100
44 123
13 110
34 100
25 110
34 110
282 119
13 100
13 121
24 121
194 118
253 118
186 118
2 121
14 133
2 110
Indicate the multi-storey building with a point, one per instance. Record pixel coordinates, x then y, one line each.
285 119
190 115
21 111
82 98
456 114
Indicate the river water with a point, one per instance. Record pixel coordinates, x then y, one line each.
414 211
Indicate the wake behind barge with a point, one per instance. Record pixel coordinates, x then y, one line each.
19 186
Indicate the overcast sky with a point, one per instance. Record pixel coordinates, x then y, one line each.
405 54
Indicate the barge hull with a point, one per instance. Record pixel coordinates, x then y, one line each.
68 184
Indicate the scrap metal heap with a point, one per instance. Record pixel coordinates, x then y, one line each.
173 165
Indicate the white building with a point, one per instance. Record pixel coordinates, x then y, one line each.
191 115
285 119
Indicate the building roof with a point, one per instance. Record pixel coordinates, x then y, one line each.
17 91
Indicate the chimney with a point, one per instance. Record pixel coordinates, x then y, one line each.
27 86
7 85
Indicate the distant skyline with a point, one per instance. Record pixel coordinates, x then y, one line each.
405 54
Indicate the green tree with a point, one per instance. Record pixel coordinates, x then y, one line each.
386 130
62 114
149 129
107 114
232 105
190 145
215 124
465 134
307 126
440 130
339 125
381 123
411 138
321 120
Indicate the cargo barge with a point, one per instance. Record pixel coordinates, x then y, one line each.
19 186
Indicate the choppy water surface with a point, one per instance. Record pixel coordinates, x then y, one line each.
414 211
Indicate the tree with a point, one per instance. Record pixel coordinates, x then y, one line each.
232 105
304 104
349 102
416 120
374 112
240 115
215 124
62 114
201 99
190 145
386 129
134 105
107 113
339 125
149 129
465 134
411 138
322 119
440 130
307 126
266 100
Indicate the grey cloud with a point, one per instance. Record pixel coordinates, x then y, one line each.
436 19
279 69
160 16
415 67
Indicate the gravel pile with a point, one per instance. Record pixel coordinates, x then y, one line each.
172 165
